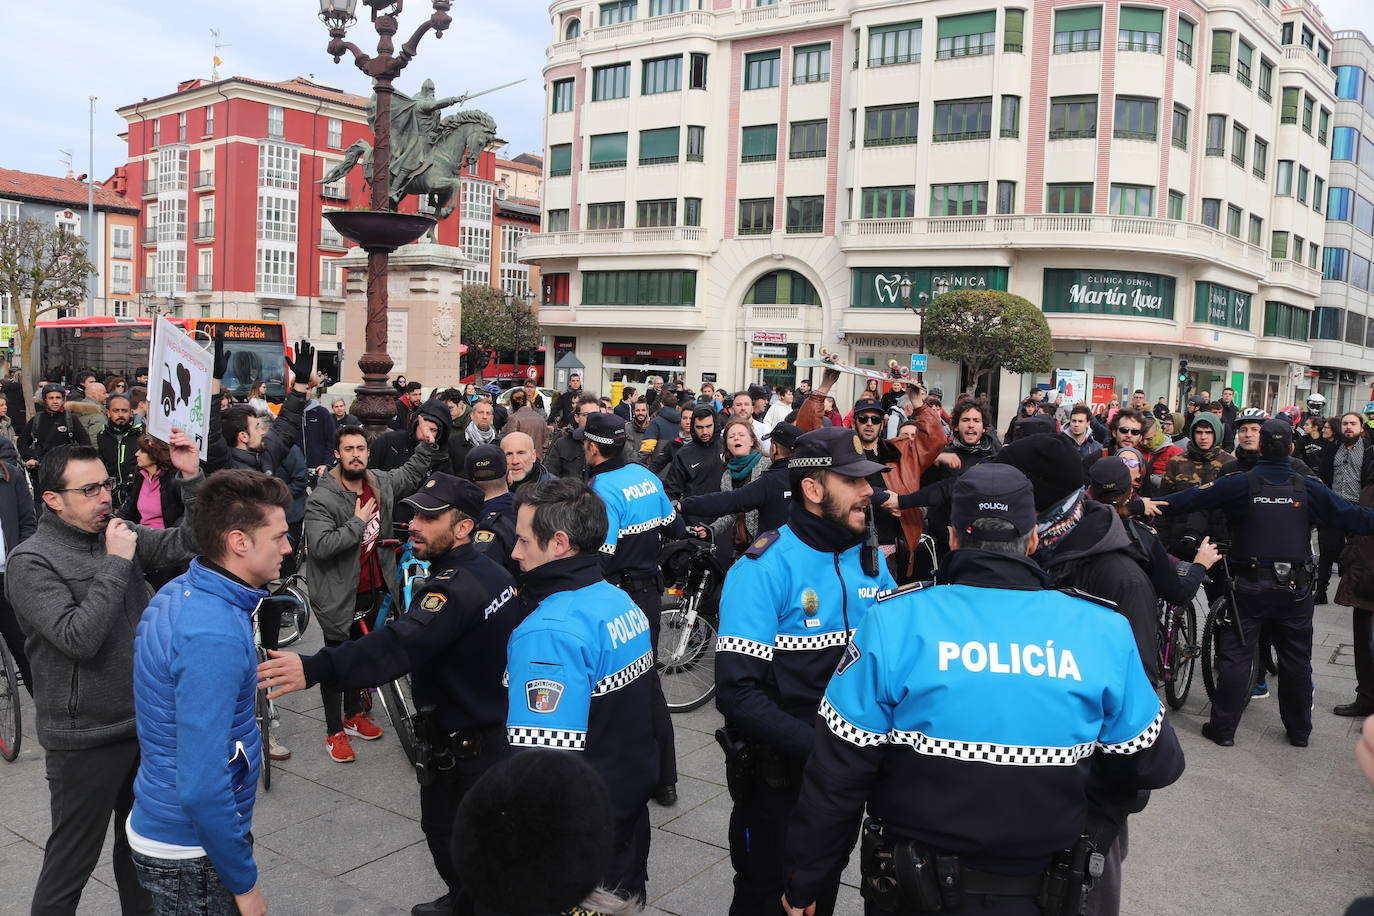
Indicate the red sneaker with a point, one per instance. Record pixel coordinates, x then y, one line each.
360 726
339 747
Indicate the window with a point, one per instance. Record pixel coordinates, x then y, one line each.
1256 230
1343 143
1308 105
1284 320
1216 135
639 287
1013 30
1323 126
1136 118
1184 45
1307 38
1176 201
556 220
555 289
1288 110
1338 204
1302 184
969 35
1278 245
1011 116
209 120
278 166
1211 212
1354 328
1006 197
1350 83
1259 158
121 237
1233 216
964 119
697 77
1069 198
121 278
1283 178
1073 116
782 287
608 151
969 199
756 216
1245 56
1334 261
761 69
171 220
1240 140
696 144
899 43
691 211
1221 51
334 132
1140 30
663 74
666 7
562 95
1180 128
171 271
1286 34
618 11
181 127
276 122
331 279
811 64
276 217
171 169
329 323
157 132
1266 80
888 203
808 140
1077 30
658 146
805 214
560 159
654 213
1131 200
1323 53
1326 323
890 125
573 29
759 143
1313 254
271 314
611 82
606 216
1318 193
276 272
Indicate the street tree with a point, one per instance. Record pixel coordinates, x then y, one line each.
42 269
988 330
495 322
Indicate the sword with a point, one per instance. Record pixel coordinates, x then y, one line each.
466 98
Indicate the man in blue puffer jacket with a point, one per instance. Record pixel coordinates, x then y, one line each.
195 677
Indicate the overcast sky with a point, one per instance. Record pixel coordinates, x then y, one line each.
56 57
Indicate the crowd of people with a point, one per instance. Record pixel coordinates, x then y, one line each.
937 644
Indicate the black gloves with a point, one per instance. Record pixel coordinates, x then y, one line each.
221 359
304 363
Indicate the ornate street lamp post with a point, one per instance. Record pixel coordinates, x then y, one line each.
923 298
378 237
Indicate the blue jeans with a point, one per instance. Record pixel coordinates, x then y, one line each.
184 887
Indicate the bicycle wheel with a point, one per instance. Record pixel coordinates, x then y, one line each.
1209 648
262 711
1183 653
402 716
11 716
293 623
686 660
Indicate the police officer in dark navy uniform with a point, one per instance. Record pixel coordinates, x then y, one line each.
494 534
1270 511
452 641
787 610
970 718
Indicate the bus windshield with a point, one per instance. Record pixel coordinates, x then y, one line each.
252 361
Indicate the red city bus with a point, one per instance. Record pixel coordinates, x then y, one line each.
505 367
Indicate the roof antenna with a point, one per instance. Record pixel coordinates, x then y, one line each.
214 36
66 158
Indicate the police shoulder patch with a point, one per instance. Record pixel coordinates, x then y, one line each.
446 574
851 655
904 590
483 537
761 544
1095 599
433 602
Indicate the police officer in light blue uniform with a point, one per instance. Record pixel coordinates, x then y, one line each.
637 513
786 614
969 718
580 668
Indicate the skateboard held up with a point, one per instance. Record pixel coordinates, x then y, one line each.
827 360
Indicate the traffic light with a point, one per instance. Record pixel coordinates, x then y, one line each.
1183 370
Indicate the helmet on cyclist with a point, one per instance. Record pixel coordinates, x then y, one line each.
1251 415
492 388
1316 403
1291 413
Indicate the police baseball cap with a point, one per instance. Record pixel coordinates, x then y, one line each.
1276 434
833 449
605 428
867 405
1109 477
442 492
485 462
995 491
784 434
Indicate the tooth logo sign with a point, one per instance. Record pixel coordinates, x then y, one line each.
887 287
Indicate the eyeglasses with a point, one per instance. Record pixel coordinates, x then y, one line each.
1128 430
1130 462
91 489
869 418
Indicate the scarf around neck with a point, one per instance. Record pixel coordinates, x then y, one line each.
742 466
478 437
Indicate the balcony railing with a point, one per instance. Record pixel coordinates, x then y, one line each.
538 244
204 231
336 190
331 239
202 283
150 235
150 187
121 251
121 285
204 180
147 285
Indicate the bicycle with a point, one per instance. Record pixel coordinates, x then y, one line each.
395 696
295 622
686 649
1178 650
1221 614
11 716
264 710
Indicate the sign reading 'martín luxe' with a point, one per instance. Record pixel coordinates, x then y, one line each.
1108 292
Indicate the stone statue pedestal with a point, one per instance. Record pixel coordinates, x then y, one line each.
424 313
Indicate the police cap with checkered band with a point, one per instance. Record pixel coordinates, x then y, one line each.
833 449
605 428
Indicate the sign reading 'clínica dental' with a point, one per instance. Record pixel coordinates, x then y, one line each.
1108 292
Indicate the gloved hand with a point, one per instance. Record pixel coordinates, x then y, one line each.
221 359
304 363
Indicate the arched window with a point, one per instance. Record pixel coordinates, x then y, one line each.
782 287
573 29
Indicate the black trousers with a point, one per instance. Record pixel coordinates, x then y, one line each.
1287 615
439 803
1363 627
650 601
1330 543
758 838
628 874
13 634
87 788
979 904
339 704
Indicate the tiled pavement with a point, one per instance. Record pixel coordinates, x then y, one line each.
1258 828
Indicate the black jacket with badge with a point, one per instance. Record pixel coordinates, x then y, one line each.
452 640
494 533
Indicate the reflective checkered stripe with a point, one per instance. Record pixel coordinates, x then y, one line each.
744 647
608 549
845 729
650 525
625 675
813 641
1001 754
546 737
1141 741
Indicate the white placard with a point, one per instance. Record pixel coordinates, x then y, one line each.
1072 385
179 371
